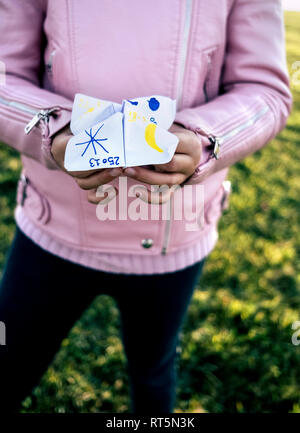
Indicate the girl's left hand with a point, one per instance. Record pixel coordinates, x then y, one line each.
182 165
175 172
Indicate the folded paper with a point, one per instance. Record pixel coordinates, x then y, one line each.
107 134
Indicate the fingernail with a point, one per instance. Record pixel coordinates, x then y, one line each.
114 172
130 171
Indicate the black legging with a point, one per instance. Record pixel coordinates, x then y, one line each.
42 295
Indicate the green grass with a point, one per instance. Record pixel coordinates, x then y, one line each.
237 354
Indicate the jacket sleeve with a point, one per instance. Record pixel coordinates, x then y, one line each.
255 100
21 42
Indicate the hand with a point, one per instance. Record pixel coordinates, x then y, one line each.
181 166
85 179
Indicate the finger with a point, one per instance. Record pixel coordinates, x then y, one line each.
154 178
62 138
67 129
189 143
180 163
63 134
100 178
92 195
176 127
83 174
92 198
153 197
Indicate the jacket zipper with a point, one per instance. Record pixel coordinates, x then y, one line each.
217 141
184 50
38 115
168 227
244 125
182 67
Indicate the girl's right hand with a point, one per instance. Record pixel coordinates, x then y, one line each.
85 179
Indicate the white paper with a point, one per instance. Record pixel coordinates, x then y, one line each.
107 134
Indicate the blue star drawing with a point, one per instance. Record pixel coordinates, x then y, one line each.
92 141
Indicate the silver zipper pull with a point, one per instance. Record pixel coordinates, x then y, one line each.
33 122
215 141
42 114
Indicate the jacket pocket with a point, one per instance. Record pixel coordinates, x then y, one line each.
202 78
35 204
51 69
218 204
210 83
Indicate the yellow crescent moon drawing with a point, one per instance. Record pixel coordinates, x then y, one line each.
150 136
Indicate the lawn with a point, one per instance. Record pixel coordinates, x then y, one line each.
236 350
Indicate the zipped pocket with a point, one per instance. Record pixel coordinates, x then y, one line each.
251 121
41 115
218 140
36 204
208 54
49 63
50 76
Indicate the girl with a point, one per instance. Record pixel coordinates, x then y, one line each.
224 62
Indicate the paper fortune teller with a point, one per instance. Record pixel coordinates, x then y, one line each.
107 134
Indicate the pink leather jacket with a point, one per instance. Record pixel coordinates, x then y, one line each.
223 61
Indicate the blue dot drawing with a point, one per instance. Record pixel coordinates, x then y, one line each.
133 102
92 141
153 104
